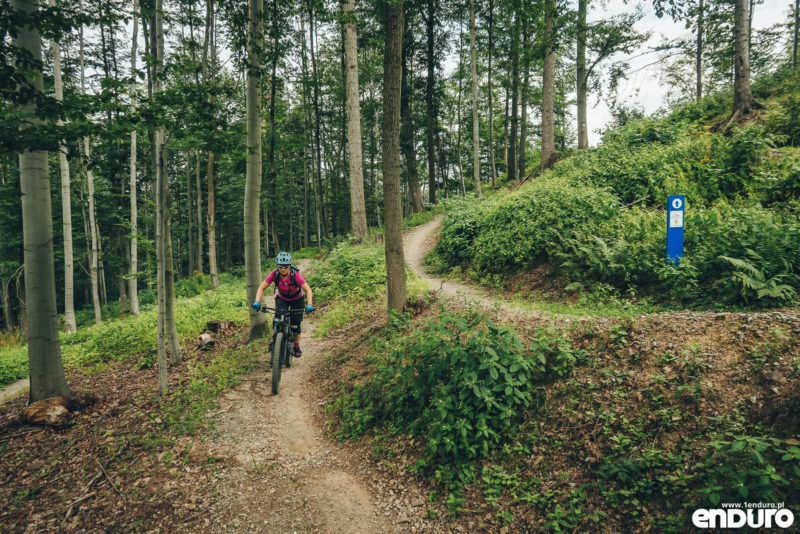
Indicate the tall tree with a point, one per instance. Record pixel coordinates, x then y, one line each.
252 192
743 101
133 284
162 198
582 78
601 39
392 79
548 88
66 202
94 258
358 210
431 121
47 377
476 158
512 140
407 145
491 93
796 34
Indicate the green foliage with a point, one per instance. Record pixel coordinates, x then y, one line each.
134 338
755 468
352 272
184 411
13 364
460 382
783 117
520 228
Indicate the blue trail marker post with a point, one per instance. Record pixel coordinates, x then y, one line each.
676 205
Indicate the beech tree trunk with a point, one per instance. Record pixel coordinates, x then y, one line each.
46 370
743 101
548 89
699 50
252 242
512 141
430 112
90 185
476 158
392 79
407 144
524 95
162 207
582 76
133 286
491 95
358 211
66 203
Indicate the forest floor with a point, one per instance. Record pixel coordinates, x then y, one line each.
269 463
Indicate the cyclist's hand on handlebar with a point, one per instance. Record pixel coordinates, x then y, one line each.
257 305
309 308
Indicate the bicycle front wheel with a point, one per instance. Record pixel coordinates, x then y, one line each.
277 353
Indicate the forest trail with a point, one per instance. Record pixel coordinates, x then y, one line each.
286 476
416 243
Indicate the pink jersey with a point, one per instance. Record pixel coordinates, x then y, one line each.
285 288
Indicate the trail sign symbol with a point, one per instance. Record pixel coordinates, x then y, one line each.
677 203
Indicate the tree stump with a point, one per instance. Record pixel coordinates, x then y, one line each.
216 327
56 411
205 341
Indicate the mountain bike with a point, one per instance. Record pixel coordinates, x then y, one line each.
281 343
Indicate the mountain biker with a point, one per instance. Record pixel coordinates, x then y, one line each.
291 287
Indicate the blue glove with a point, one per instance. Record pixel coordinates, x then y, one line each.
309 308
256 305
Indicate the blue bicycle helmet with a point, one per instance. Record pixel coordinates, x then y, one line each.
283 258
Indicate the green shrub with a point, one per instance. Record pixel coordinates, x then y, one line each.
778 181
461 382
353 272
525 226
13 364
783 117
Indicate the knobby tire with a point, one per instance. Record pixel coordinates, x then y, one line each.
277 357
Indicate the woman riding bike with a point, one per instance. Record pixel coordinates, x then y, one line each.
291 288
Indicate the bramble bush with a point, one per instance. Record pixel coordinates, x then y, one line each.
354 272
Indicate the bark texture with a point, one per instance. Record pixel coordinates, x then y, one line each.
252 242
44 353
548 89
358 212
392 77
476 158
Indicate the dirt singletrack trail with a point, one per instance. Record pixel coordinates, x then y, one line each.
286 477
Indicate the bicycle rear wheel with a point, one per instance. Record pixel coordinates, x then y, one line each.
277 357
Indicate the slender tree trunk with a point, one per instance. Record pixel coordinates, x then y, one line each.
90 184
430 112
524 95
548 89
322 225
175 353
211 222
46 370
133 286
506 123
66 203
458 106
583 131
252 250
796 34
699 50
306 129
512 142
162 194
273 175
491 95
358 211
476 158
743 101
407 144
392 78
